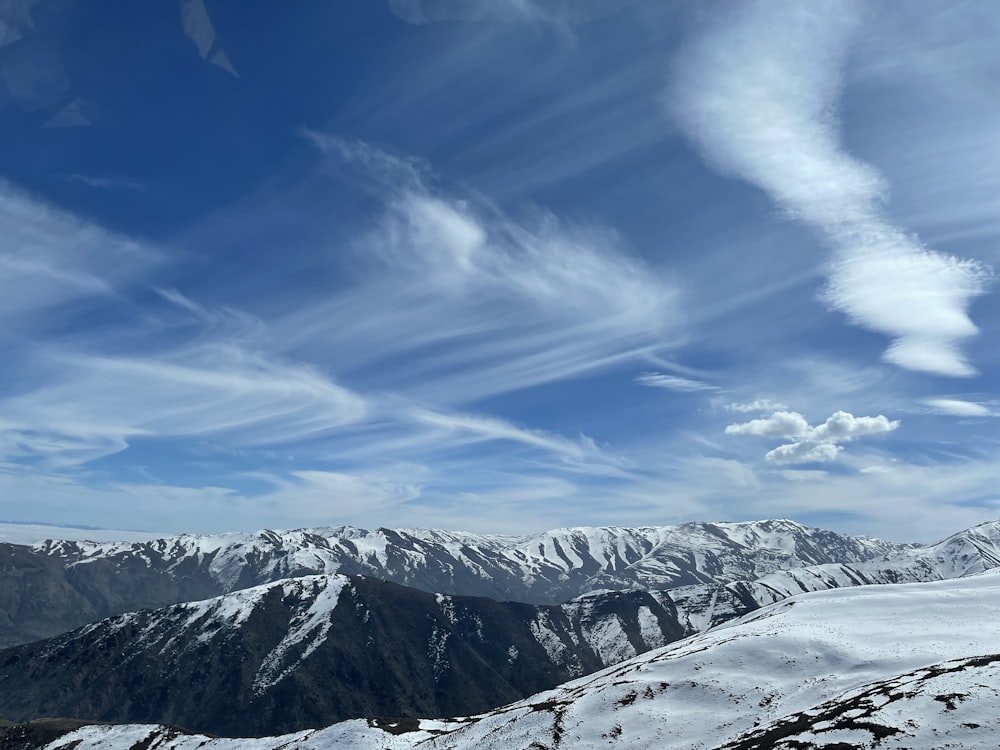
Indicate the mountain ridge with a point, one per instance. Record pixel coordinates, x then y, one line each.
88 581
308 651
888 667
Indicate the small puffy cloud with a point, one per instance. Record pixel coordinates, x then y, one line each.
673 383
805 452
781 424
811 444
843 426
758 405
958 408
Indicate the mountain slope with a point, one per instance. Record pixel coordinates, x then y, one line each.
110 578
309 651
896 666
965 553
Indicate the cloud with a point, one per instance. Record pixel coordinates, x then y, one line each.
472 428
820 443
803 453
958 408
90 406
50 258
782 424
106 183
757 405
757 92
673 383
842 426
481 303
419 12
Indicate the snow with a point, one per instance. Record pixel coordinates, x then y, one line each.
544 633
823 667
608 639
308 629
649 627
709 689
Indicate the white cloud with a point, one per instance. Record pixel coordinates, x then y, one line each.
805 475
958 408
91 406
841 426
757 91
481 304
761 405
49 257
673 383
782 424
809 444
472 428
803 453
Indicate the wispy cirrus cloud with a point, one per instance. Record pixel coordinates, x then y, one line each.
50 258
959 407
482 303
91 406
472 428
674 383
757 405
420 12
757 91
191 372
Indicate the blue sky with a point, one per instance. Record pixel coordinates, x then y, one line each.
501 265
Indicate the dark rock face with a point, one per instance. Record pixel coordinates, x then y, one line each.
36 599
34 734
311 651
50 588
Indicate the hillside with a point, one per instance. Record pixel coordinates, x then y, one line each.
896 666
310 651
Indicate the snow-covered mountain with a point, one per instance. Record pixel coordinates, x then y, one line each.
966 553
309 651
86 581
887 667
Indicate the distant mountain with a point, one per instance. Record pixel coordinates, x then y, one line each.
309 651
32 532
886 667
84 581
966 553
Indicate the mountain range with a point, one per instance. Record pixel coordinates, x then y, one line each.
51 587
273 632
308 651
888 667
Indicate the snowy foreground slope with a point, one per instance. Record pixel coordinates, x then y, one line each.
891 666
965 553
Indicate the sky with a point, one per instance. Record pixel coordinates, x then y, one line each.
500 265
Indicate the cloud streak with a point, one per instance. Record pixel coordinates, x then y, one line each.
958 407
419 12
757 91
93 406
482 303
673 383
